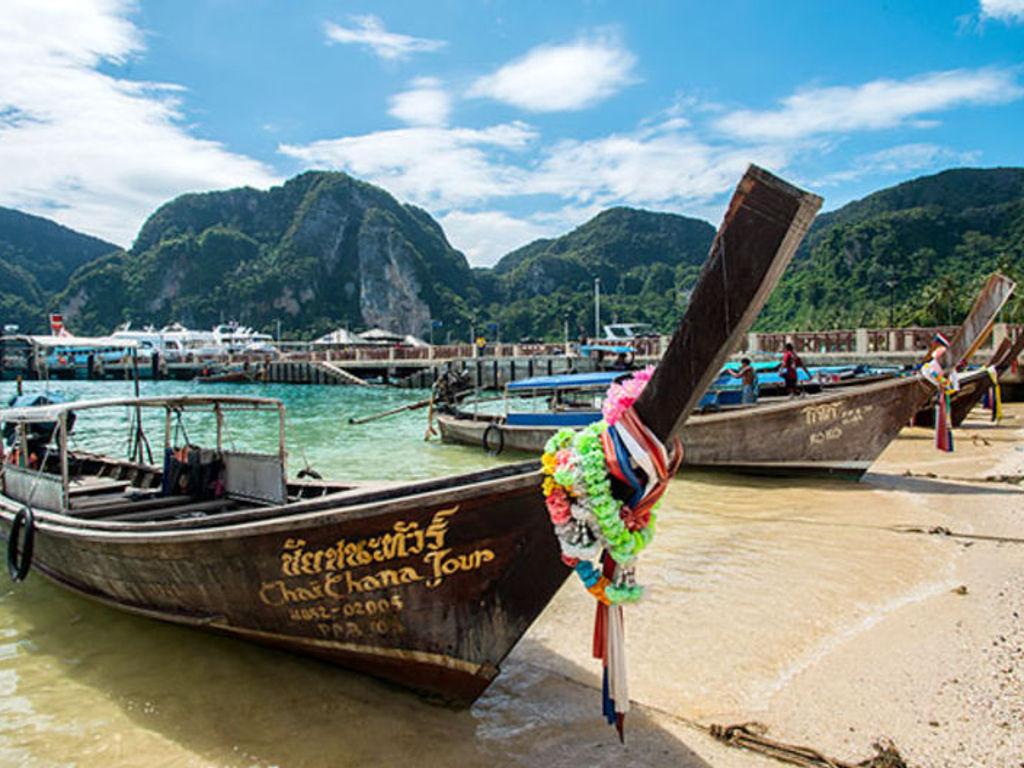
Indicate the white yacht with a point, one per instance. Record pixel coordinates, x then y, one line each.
240 339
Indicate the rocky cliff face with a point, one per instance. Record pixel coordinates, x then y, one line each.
320 250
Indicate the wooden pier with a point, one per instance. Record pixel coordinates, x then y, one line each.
497 364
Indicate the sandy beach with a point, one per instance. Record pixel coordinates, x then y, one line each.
920 645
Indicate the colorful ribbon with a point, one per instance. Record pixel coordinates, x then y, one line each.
590 521
994 395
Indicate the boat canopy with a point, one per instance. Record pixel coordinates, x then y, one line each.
568 381
72 342
52 412
615 349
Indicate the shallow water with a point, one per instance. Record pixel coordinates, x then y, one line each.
749 582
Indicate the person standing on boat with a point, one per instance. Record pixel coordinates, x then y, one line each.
748 395
790 362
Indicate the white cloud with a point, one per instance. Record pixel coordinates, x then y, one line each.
369 30
1010 11
486 236
438 168
425 103
553 78
903 158
93 151
667 167
871 106
460 173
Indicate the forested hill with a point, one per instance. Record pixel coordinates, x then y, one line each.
920 248
646 263
325 250
36 258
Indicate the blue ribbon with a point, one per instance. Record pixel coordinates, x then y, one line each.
622 455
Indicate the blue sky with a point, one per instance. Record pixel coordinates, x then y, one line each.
506 120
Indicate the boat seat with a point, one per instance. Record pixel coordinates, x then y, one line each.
95 485
121 504
216 505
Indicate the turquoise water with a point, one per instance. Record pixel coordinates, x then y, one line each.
748 579
317 429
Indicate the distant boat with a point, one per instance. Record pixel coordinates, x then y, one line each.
839 432
973 384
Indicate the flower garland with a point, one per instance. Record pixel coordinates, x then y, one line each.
587 517
601 536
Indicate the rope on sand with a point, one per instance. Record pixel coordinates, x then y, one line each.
1015 479
941 530
752 737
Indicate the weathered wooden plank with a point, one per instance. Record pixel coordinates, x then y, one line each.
765 222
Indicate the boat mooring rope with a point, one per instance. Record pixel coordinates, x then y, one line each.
752 736
941 530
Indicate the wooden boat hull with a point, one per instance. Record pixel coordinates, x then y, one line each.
838 434
970 395
230 377
431 594
464 429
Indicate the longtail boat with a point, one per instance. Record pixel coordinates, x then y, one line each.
841 433
838 433
427 584
975 384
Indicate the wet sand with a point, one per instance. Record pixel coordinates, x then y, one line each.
793 604
837 631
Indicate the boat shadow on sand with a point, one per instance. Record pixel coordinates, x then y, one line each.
232 703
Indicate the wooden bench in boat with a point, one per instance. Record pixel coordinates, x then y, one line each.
96 485
123 504
214 505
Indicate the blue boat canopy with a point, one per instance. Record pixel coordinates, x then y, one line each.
568 381
615 349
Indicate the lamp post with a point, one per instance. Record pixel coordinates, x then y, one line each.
891 283
597 307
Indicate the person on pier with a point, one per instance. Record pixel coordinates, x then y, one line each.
749 393
790 362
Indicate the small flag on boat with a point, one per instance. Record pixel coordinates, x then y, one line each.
993 398
943 423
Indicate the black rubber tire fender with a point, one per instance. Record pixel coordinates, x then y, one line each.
18 570
501 440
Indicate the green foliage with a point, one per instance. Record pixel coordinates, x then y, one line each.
36 258
917 251
645 261
299 253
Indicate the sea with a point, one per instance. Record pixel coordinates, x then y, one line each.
749 581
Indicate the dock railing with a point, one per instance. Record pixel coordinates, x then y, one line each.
867 341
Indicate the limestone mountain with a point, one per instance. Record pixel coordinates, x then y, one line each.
324 250
321 250
37 256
